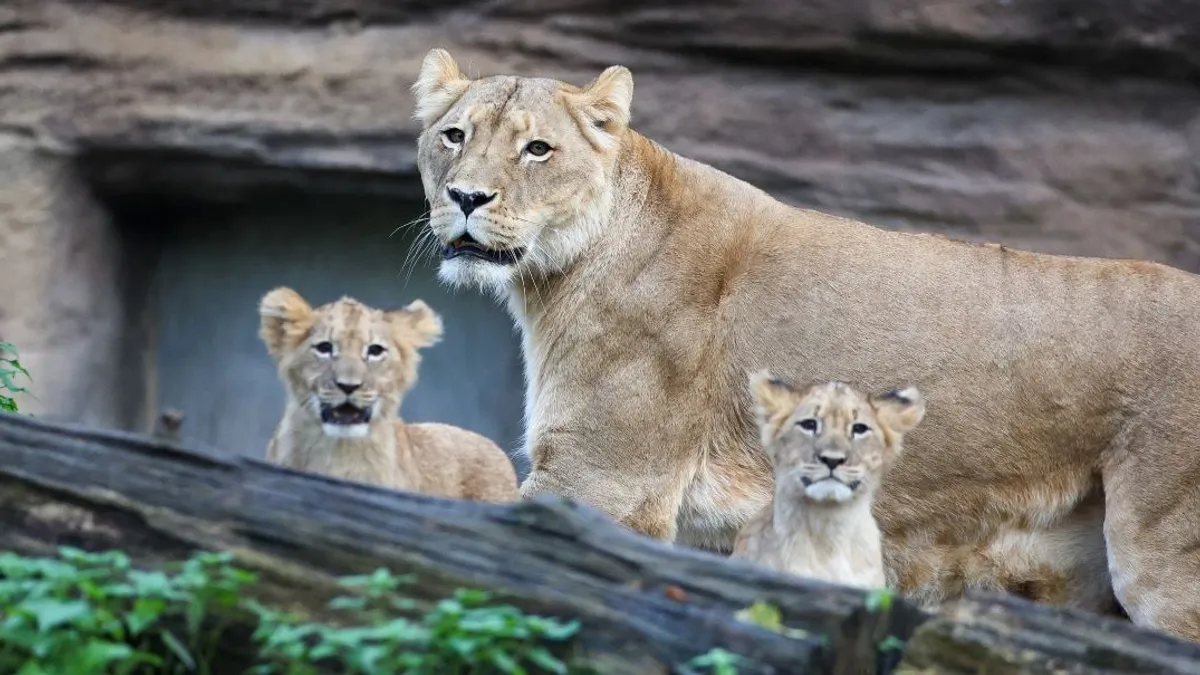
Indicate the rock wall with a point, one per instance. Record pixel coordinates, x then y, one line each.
1058 125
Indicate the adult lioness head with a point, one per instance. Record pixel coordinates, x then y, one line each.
828 441
345 363
516 170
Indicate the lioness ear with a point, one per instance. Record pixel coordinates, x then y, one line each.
900 410
284 320
416 325
438 86
607 100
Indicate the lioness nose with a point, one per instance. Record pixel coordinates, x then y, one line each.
832 461
348 387
469 201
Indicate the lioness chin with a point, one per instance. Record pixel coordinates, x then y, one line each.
1059 458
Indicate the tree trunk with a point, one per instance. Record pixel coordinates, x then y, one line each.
645 607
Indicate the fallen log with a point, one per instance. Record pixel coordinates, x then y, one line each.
645 607
988 633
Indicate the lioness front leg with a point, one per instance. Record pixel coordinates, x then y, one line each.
636 497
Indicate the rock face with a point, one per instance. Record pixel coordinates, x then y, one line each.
1057 125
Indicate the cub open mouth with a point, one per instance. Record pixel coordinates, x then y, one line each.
466 245
853 485
346 414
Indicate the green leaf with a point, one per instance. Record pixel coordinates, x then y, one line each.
50 613
97 654
6 381
506 664
20 369
181 652
768 616
145 612
762 614
542 658
32 667
721 661
347 602
880 599
557 631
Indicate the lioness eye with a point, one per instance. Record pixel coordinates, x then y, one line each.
538 148
375 350
858 429
324 347
809 425
454 135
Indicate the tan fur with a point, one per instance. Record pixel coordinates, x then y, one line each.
819 522
650 283
435 459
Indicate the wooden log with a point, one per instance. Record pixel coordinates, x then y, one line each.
645 607
1001 634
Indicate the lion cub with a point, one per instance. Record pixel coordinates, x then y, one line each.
346 368
830 446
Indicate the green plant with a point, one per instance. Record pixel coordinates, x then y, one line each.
462 634
765 615
92 613
717 661
879 599
10 367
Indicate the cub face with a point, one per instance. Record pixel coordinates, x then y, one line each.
829 442
516 170
345 363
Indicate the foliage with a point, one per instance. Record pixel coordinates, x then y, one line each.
462 634
88 613
880 599
92 614
10 367
765 615
716 661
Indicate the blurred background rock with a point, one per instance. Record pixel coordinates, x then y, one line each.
164 163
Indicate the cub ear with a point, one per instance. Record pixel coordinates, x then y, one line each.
607 99
772 396
438 86
900 410
416 325
284 320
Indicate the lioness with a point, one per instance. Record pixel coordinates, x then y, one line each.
346 368
645 284
829 445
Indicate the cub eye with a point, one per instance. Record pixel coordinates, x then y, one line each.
858 429
538 148
375 351
324 348
809 425
454 135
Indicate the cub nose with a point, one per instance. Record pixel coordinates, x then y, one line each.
469 201
832 461
348 387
